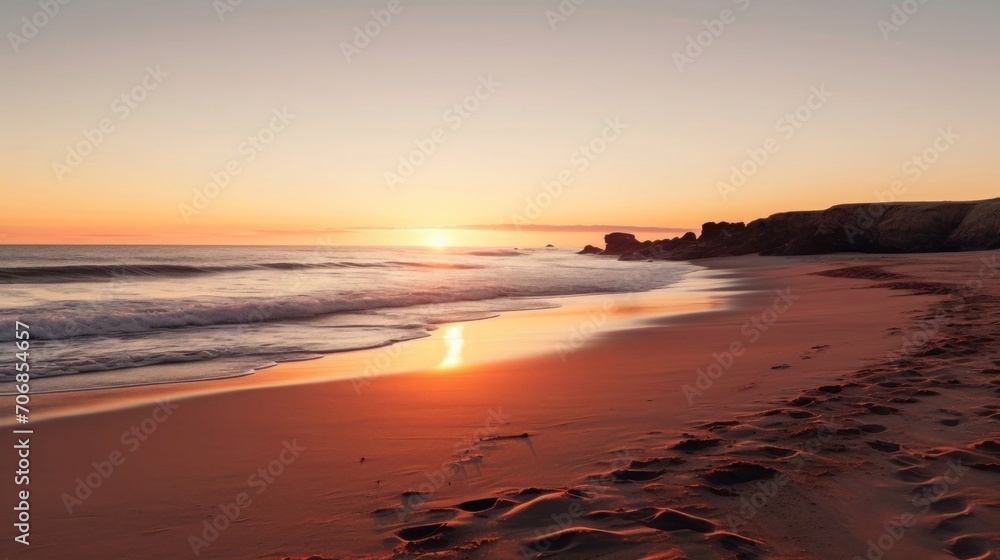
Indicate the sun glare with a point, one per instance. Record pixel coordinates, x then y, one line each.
437 240
454 341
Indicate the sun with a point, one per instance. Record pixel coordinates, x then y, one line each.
437 240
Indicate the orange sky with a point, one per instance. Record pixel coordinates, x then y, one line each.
151 122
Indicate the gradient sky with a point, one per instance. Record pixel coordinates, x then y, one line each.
324 174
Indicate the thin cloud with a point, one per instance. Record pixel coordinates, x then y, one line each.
301 231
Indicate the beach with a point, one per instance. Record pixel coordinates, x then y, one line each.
396 280
801 415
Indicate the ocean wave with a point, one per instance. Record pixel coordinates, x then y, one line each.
98 273
117 318
495 253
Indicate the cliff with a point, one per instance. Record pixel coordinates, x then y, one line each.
900 227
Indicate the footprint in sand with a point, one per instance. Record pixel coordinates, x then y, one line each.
884 446
970 547
738 472
989 445
746 547
914 475
889 384
672 520
954 524
719 426
422 532
633 475
802 400
950 504
872 428
485 504
694 444
592 540
778 452
879 409
656 463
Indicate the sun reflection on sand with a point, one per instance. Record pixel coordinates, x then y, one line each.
454 342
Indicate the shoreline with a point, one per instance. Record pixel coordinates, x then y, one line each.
608 436
696 293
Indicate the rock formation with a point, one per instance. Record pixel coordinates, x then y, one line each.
903 227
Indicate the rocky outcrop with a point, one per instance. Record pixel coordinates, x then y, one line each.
911 227
623 243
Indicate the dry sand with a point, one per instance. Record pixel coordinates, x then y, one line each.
857 417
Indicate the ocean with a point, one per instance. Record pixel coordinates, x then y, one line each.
109 316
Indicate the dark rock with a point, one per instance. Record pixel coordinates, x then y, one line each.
899 227
621 243
721 231
590 250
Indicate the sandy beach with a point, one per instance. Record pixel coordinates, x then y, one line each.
844 414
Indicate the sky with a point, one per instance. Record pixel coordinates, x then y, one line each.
394 121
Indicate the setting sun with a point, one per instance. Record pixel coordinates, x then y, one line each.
437 240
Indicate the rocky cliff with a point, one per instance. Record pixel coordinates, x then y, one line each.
902 227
